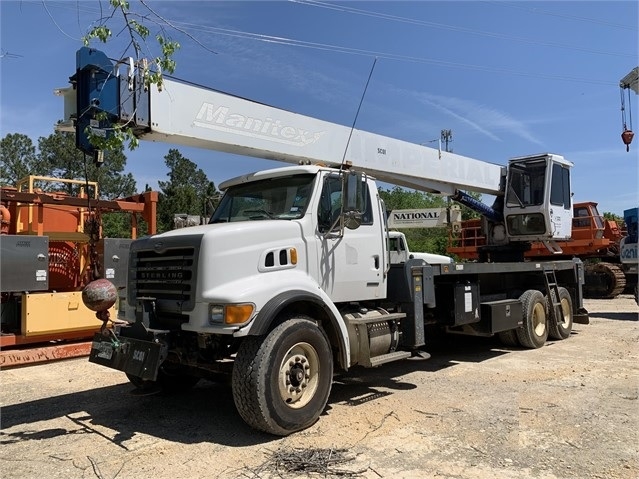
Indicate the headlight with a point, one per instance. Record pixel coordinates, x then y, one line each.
216 313
230 313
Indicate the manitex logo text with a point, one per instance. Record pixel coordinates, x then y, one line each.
220 118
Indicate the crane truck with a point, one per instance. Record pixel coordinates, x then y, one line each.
292 278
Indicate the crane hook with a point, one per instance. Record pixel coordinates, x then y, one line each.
626 137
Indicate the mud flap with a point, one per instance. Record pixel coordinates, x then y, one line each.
132 356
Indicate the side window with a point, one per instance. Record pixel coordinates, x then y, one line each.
330 205
581 218
560 186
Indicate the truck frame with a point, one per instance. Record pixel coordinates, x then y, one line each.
292 278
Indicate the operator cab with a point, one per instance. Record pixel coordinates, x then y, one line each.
538 198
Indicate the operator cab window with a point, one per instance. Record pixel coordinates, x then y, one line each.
526 184
560 186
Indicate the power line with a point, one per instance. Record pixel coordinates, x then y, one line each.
384 16
5 54
368 53
377 54
539 11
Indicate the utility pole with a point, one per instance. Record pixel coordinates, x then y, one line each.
447 137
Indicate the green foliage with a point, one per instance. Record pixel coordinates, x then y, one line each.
118 136
58 151
152 71
188 191
402 199
18 159
614 217
118 225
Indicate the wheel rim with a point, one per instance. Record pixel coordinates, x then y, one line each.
565 313
299 375
539 319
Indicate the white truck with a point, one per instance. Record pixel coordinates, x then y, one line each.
293 276
400 253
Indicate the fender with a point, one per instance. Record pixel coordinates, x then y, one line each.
264 319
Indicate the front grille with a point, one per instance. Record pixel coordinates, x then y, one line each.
168 276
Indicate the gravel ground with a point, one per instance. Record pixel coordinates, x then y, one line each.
475 410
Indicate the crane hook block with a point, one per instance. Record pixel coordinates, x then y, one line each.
627 137
97 96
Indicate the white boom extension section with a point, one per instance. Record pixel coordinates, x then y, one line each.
195 116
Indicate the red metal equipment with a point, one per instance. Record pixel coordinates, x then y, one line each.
52 247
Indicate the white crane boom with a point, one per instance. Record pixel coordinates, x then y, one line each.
195 116
192 115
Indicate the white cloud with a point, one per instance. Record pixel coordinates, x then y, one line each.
486 120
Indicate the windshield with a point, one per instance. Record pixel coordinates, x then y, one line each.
276 198
526 184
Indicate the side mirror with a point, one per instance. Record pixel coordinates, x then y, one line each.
354 198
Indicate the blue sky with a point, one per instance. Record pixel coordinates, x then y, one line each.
508 78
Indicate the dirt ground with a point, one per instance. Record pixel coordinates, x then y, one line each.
474 410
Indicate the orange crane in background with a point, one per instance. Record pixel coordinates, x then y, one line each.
52 246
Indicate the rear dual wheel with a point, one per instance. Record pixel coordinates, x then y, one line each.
561 328
534 330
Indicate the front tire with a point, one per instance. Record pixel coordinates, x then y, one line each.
281 382
534 330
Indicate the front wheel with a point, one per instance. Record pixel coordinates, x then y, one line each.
281 382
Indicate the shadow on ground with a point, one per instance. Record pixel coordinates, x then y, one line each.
207 412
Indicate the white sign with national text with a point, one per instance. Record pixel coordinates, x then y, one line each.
422 218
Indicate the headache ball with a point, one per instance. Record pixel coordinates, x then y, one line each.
99 295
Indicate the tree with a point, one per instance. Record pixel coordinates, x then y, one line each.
614 217
57 157
18 159
64 160
151 68
188 190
